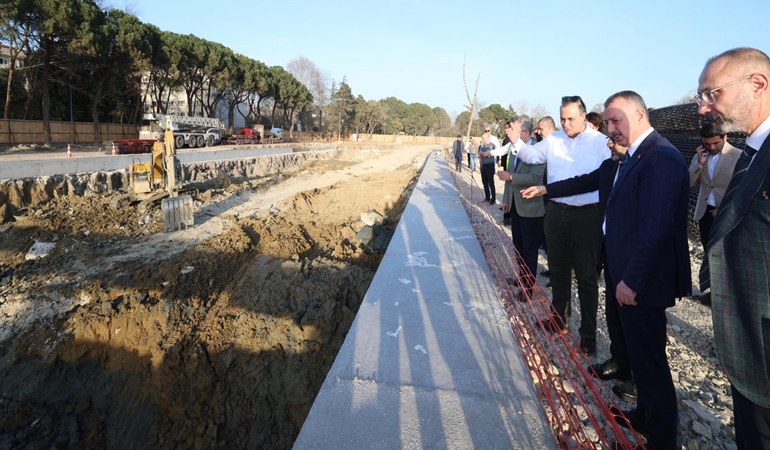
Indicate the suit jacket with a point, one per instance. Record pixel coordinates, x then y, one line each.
718 184
739 254
646 220
524 176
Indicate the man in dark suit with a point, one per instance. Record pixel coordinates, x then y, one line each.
734 89
618 366
644 201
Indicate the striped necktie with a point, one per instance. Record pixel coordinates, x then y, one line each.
738 173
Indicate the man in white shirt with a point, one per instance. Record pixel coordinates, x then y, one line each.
571 223
711 168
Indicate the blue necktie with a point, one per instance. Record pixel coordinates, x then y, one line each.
624 163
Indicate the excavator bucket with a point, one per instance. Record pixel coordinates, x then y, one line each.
177 213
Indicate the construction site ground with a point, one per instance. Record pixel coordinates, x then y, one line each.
217 336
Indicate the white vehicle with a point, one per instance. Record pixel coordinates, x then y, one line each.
188 131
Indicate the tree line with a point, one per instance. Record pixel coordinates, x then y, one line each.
73 60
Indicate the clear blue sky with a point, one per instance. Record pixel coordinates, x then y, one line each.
524 51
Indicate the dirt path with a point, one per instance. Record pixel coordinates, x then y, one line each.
214 337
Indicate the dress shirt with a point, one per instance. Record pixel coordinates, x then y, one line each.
569 157
759 135
712 162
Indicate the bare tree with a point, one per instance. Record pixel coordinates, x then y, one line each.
472 103
316 82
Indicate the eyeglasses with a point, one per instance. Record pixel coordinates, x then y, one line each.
708 96
487 131
571 99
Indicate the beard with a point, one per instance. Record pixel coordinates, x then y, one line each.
725 125
740 116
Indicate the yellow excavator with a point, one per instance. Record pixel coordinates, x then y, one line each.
161 179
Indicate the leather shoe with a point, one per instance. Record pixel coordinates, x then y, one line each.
546 273
588 345
703 298
630 421
609 370
626 391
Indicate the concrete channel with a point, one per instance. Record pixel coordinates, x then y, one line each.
430 360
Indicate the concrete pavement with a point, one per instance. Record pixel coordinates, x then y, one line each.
430 360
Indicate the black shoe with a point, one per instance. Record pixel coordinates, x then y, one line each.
546 273
588 345
626 391
609 370
492 202
547 284
520 297
703 298
629 421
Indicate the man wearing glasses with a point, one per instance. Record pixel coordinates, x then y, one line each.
571 222
734 90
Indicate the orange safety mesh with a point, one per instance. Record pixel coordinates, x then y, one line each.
576 405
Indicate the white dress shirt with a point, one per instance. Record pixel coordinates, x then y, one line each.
712 167
759 136
569 157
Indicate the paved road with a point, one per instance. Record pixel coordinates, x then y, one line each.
47 163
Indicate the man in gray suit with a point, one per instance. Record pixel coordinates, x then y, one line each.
711 168
734 90
526 214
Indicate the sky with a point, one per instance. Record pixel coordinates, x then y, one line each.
526 54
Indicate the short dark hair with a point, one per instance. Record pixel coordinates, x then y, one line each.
459 136
574 99
710 130
596 119
629 96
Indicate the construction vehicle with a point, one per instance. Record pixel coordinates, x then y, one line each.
161 179
188 131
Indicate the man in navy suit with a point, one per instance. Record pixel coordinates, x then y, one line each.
734 90
643 201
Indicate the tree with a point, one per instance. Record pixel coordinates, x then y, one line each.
16 26
443 125
395 113
307 73
419 119
341 105
495 115
471 101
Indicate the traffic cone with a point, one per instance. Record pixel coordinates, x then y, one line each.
69 151
113 150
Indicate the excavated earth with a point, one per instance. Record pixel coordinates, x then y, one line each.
218 336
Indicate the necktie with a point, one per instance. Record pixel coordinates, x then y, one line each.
624 163
739 172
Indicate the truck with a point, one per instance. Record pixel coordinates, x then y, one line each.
188 131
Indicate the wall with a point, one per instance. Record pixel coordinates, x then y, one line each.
14 132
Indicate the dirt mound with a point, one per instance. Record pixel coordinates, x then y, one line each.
223 343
